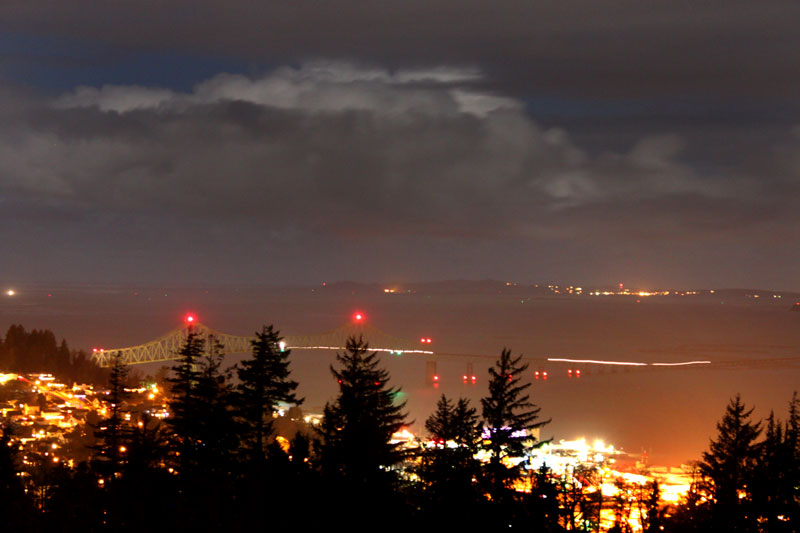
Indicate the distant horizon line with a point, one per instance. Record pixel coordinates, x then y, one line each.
38 285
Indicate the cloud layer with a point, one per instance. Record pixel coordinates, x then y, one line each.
424 172
618 47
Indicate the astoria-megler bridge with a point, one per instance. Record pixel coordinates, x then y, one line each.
166 347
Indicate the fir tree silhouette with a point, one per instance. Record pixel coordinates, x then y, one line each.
509 420
111 432
356 453
204 435
730 466
263 384
448 467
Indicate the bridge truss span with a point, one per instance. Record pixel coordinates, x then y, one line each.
166 347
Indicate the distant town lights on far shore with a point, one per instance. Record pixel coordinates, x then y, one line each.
11 292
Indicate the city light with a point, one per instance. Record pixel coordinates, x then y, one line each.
563 459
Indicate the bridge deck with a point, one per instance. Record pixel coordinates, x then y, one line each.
166 347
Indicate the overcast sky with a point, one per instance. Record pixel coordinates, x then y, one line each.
295 142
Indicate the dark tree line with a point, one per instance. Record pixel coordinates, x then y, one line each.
749 479
218 462
37 350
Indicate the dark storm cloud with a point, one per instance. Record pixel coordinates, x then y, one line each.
300 159
605 49
530 140
320 143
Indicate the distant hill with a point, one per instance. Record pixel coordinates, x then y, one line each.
490 286
442 287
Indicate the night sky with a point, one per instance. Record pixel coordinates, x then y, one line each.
295 142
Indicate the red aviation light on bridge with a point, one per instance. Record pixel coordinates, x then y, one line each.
358 316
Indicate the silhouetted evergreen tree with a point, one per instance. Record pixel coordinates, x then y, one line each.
203 433
37 351
145 482
771 485
509 420
693 514
580 497
456 423
730 466
263 384
357 457
76 503
110 433
16 508
776 483
792 469
111 445
651 512
184 420
447 465
543 501
289 483
217 432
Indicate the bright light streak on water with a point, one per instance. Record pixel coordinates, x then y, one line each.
626 363
683 364
596 362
